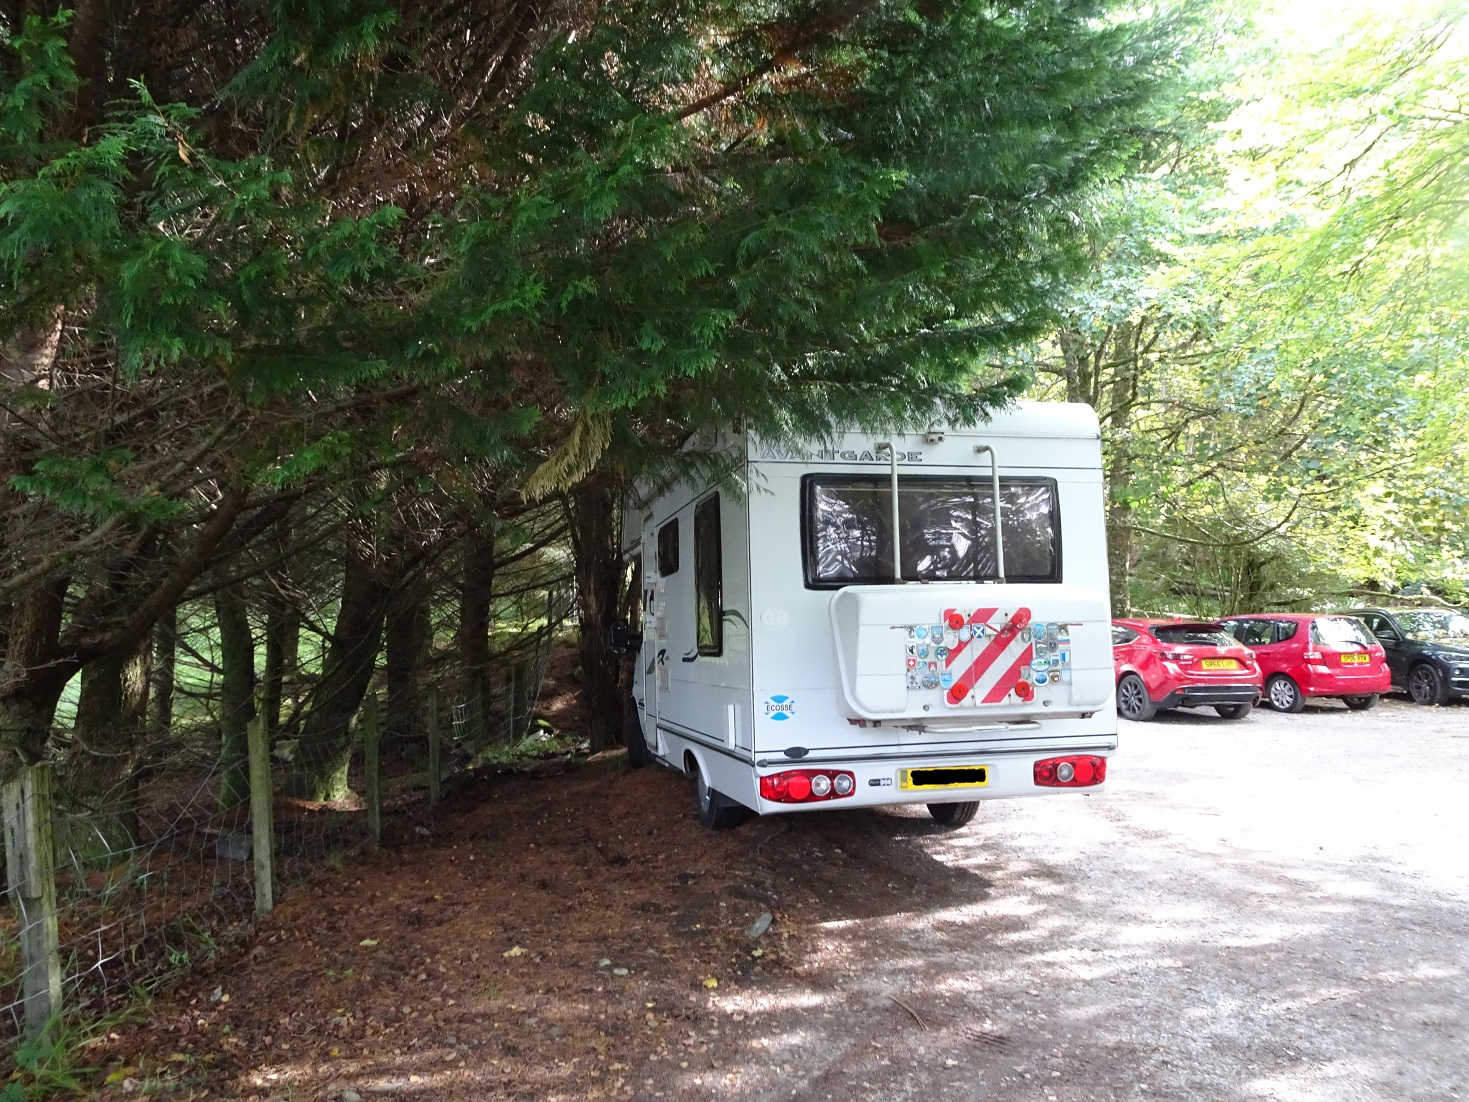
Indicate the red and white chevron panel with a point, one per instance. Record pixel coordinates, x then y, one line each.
988 664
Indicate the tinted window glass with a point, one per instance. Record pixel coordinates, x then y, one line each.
1338 631
1434 624
1286 629
947 529
668 548
1195 635
1122 635
1254 633
708 578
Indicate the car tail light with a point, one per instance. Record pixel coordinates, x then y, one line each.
1312 655
1074 771
804 786
1182 657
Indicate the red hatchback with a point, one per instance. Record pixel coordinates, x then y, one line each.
1180 664
1303 655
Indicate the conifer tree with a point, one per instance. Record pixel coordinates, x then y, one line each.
247 253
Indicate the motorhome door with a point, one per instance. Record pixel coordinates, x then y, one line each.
654 651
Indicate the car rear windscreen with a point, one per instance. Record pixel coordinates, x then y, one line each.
1338 631
946 527
1194 635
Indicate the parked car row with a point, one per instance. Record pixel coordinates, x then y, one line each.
1281 659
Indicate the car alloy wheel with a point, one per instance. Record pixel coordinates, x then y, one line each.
1132 698
1425 685
1285 694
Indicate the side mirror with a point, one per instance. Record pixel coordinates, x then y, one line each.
1387 635
621 639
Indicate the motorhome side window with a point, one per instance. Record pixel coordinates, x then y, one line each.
668 548
708 578
947 529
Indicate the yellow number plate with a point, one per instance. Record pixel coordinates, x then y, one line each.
1355 659
946 776
1219 664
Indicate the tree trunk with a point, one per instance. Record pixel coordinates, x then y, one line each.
282 646
236 696
1121 536
475 603
593 512
32 676
406 632
100 773
320 771
165 658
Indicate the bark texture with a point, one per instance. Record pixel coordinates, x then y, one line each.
236 696
475 603
601 578
325 747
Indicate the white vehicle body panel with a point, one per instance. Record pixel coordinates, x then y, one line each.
814 673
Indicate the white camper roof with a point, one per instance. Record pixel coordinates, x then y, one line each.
1029 420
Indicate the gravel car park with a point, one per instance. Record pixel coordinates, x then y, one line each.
1271 909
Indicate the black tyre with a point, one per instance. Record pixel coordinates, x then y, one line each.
1360 703
953 816
715 810
1234 711
1426 685
1284 694
632 735
1133 701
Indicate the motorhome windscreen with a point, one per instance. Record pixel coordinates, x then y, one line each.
947 529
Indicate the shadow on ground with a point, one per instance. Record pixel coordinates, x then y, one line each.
582 937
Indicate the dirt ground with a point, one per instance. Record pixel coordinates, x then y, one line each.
1274 908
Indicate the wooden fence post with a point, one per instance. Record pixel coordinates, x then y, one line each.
29 857
262 815
435 773
373 782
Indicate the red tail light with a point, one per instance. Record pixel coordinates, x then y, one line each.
1076 771
1182 657
805 786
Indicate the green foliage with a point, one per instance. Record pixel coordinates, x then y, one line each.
47 1066
845 234
1273 330
86 487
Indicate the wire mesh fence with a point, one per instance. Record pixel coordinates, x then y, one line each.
131 856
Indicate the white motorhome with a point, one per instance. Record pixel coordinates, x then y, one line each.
849 627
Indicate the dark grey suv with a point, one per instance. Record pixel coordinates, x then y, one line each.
1427 650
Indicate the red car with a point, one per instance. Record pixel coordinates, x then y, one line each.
1164 664
1303 655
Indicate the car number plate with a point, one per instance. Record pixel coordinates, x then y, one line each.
1219 664
1355 659
946 776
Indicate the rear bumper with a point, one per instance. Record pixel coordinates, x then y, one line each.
879 777
1188 696
1331 683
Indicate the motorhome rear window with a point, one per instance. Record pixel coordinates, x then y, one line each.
947 529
